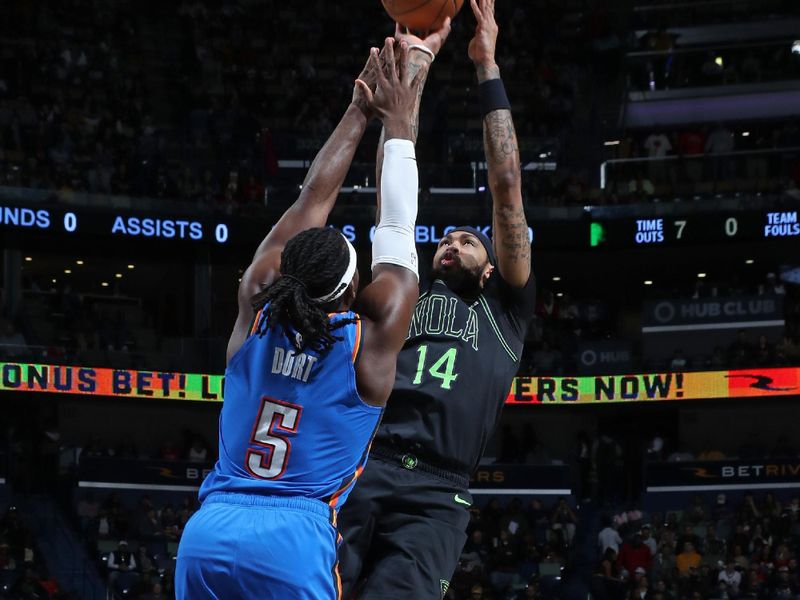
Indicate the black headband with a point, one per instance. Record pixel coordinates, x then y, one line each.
484 239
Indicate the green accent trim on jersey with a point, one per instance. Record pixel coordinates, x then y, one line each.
444 585
493 323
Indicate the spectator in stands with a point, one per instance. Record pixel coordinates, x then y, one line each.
771 508
169 523
640 189
609 536
169 451
730 579
476 552
607 582
657 145
712 544
750 511
787 351
646 532
538 520
547 307
720 510
635 555
145 562
514 520
761 540
148 525
719 144
665 559
691 143
198 452
7 562
739 557
565 520
697 512
784 586
660 591
753 585
687 559
29 586
641 591
121 564
655 449
503 561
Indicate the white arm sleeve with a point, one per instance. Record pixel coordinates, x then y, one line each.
393 242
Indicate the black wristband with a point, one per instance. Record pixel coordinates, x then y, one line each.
493 96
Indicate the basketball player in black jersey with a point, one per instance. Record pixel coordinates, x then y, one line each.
404 525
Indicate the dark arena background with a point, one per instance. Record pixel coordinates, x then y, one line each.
147 147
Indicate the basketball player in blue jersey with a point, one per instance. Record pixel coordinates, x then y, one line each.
307 378
404 525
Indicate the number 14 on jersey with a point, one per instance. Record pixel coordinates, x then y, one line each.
443 368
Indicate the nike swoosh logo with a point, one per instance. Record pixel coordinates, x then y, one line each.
460 500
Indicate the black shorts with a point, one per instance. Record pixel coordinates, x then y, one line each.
403 532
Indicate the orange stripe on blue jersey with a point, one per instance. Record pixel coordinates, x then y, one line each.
255 321
349 482
357 342
338 581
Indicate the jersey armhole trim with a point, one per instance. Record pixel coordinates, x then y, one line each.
256 320
496 328
357 341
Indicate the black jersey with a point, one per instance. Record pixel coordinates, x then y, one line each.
455 371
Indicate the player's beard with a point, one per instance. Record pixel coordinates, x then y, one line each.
464 282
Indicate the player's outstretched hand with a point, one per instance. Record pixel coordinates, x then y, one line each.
482 45
369 78
433 40
395 95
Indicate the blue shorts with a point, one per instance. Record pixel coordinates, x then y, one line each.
243 546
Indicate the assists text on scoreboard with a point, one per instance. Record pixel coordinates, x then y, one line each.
115 224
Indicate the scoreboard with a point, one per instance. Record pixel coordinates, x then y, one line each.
696 229
59 224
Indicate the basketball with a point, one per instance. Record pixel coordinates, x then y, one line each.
422 15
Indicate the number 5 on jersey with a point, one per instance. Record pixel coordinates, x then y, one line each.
442 369
276 417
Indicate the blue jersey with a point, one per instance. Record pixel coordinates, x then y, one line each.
293 423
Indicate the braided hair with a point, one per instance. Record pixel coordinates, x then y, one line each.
312 263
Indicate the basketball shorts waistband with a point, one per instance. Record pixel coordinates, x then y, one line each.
312 505
413 462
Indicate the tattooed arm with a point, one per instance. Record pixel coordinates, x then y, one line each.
509 227
418 61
